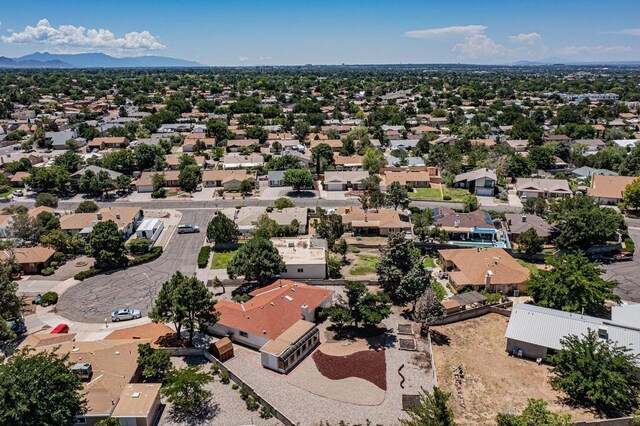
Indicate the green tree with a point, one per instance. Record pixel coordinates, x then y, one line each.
33 384
413 285
427 309
433 410
218 129
530 242
106 244
596 373
185 302
158 181
329 227
537 206
122 161
53 178
123 182
109 421
373 160
396 260
631 194
69 161
247 186
397 196
536 413
185 390
360 306
155 364
256 260
571 284
189 177
300 130
322 156
257 132
148 156
298 178
9 301
87 206
222 230
470 203
47 200
283 203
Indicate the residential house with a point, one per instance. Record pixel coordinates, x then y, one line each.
145 182
189 143
417 177
480 181
520 145
227 179
592 146
284 217
115 142
58 140
404 162
542 188
17 180
335 144
491 269
31 259
235 145
173 161
534 332
348 162
344 180
277 320
236 160
382 221
304 257
125 218
275 178
75 177
475 229
586 172
403 144
519 223
608 190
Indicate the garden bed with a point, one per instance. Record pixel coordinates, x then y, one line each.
369 365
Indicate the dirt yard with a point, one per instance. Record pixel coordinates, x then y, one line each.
493 381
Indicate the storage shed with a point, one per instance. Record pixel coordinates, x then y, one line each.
222 349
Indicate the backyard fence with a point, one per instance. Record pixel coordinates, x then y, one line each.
476 312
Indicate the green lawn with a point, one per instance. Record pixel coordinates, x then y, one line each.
456 194
426 193
429 262
366 264
222 258
530 266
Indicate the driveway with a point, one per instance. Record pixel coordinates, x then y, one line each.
627 273
94 299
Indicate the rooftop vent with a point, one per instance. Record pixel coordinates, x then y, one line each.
135 395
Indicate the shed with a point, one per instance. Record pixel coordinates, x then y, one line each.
469 298
222 349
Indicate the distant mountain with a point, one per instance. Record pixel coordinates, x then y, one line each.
13 63
560 61
101 60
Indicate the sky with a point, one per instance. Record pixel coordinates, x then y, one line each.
288 32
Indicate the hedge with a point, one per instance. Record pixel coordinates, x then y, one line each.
203 256
153 254
83 275
49 298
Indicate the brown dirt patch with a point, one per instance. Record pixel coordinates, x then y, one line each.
493 381
368 365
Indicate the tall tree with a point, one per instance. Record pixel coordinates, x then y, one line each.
185 302
433 410
571 284
189 177
397 196
256 260
9 301
298 178
631 195
222 230
530 242
39 389
427 310
155 364
329 227
597 373
322 156
185 390
106 244
53 178
413 285
360 307
396 260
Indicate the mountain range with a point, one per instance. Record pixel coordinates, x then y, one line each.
92 60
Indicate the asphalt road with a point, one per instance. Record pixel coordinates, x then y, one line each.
627 273
94 299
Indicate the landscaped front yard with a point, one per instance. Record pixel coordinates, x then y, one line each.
456 194
222 258
434 193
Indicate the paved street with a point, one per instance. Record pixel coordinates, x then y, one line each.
95 298
627 273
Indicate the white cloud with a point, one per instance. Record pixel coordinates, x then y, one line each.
526 38
243 58
265 58
479 46
81 38
465 30
627 31
591 50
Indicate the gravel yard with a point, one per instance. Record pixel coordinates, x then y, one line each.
369 365
493 381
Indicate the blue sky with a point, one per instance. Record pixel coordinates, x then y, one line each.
283 32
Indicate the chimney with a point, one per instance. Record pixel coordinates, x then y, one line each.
117 215
305 312
487 278
524 218
99 216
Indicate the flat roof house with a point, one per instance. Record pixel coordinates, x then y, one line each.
236 160
608 190
277 320
533 331
491 269
305 258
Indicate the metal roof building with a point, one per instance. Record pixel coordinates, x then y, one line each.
534 330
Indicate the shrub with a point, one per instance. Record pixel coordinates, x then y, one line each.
87 206
503 196
153 254
269 209
322 314
224 377
354 249
83 275
252 404
447 198
265 412
629 244
160 193
234 386
139 246
241 298
215 369
54 264
46 199
58 257
49 298
203 256
244 393
47 271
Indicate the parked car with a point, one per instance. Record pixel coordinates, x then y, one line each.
18 193
60 328
198 188
125 314
188 229
623 257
